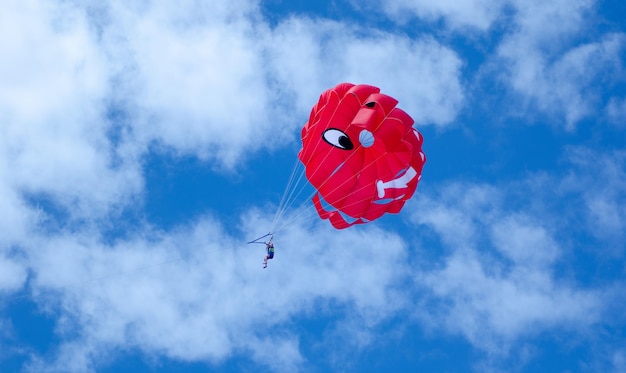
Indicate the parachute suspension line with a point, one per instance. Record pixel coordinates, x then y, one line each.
305 213
298 186
293 186
282 203
304 205
311 214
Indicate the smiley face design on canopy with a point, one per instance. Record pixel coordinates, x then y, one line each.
361 154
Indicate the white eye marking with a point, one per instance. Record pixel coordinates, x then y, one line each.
337 139
366 138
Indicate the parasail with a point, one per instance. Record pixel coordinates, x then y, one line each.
361 154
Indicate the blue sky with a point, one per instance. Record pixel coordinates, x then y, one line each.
143 143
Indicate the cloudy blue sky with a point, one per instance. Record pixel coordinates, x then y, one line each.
142 143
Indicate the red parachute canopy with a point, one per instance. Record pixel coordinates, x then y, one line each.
361 154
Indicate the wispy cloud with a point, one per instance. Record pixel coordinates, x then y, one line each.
546 56
312 55
474 14
89 92
553 68
171 293
500 279
598 179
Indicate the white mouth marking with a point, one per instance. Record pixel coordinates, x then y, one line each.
397 183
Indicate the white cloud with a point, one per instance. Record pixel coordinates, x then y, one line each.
499 284
87 93
547 70
176 74
16 218
524 242
12 274
200 79
311 56
565 85
599 180
547 54
616 111
53 134
619 361
444 219
494 307
218 83
547 22
194 76
477 14
196 294
285 353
